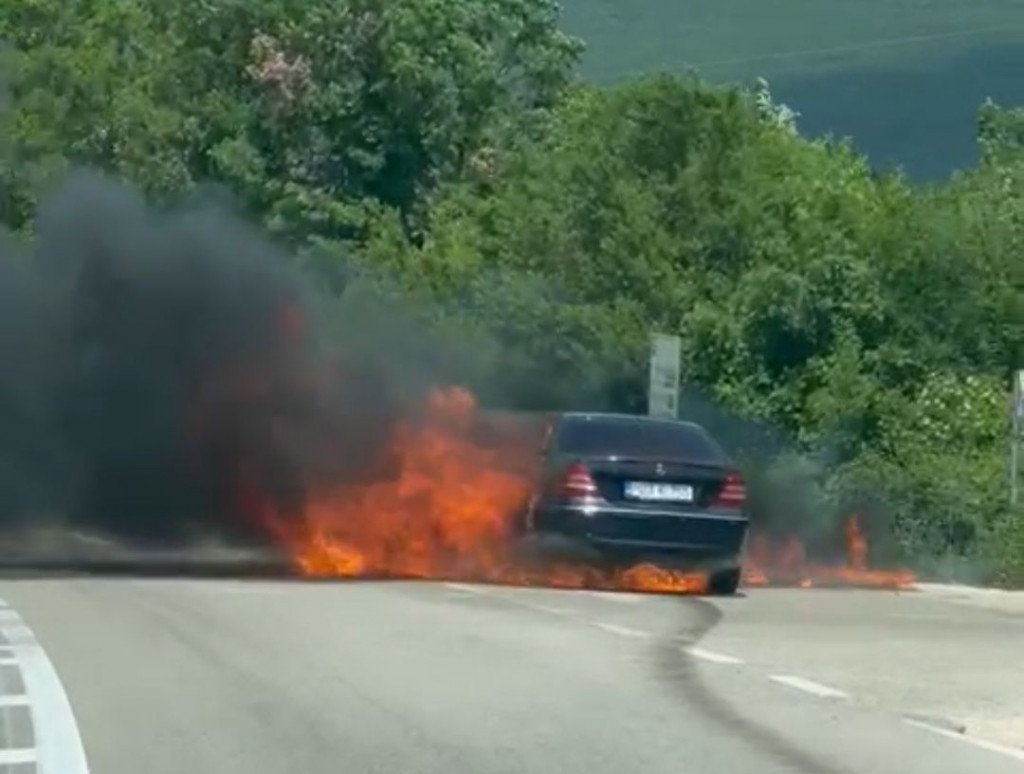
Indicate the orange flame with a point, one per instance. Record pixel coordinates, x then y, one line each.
448 513
449 510
774 562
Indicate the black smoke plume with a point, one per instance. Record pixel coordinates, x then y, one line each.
156 370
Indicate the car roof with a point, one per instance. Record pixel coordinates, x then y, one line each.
554 417
587 416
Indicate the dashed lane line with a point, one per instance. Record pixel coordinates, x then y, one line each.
14 700
618 629
552 610
13 756
809 686
621 597
624 631
710 655
466 587
58 747
226 587
701 653
984 744
791 681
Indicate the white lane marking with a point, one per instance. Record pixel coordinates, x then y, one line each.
12 756
8 661
710 655
95 540
809 686
625 631
233 588
59 747
14 700
467 588
623 598
984 744
553 610
921 616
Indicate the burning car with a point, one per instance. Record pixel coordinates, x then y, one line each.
627 490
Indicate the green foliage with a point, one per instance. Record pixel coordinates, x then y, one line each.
441 153
874 323
309 112
1001 133
939 466
81 85
1005 549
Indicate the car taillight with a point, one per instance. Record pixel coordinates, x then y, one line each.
733 493
577 483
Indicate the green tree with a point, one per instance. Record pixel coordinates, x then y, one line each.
368 100
310 113
693 209
809 292
82 82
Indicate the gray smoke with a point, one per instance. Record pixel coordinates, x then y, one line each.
152 363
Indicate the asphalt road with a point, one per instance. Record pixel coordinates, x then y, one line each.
172 676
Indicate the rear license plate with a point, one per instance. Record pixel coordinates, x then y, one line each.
658 491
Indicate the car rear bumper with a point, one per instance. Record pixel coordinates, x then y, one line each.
610 532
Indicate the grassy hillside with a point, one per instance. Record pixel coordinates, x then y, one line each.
903 78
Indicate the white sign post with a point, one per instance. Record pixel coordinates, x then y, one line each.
1016 431
663 381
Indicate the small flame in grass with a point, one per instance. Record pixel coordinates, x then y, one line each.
856 544
774 562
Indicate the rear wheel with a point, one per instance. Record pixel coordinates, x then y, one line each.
724 582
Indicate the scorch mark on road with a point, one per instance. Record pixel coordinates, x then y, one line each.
802 684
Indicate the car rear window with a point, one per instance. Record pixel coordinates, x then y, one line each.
624 437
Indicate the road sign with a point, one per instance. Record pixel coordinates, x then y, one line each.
1016 431
1018 401
663 379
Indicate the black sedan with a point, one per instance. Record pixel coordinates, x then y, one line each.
623 489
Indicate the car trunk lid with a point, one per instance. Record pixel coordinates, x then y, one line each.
665 482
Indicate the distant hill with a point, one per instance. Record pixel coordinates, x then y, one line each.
902 78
